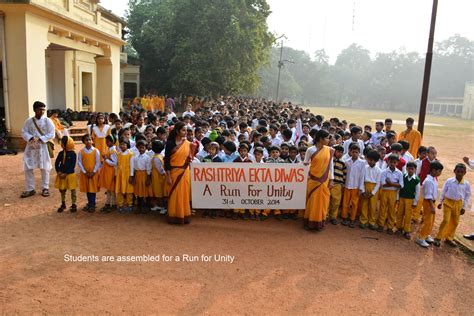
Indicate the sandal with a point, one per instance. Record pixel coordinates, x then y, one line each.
26 194
45 193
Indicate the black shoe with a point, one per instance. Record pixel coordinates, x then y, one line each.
263 217
213 214
372 227
205 213
62 208
407 236
285 216
345 222
235 216
91 209
105 208
294 216
73 208
380 229
437 242
352 224
278 217
86 208
334 221
229 214
389 231
362 226
469 237
245 216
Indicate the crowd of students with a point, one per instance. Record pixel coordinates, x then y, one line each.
386 182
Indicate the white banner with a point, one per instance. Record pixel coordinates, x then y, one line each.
248 186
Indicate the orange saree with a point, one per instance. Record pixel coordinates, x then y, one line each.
317 194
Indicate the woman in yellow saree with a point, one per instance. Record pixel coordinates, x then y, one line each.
178 155
320 177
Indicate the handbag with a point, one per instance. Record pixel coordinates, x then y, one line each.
49 143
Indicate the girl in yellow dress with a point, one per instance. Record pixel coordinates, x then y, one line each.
177 159
321 173
158 178
89 163
107 174
141 175
66 176
99 132
123 180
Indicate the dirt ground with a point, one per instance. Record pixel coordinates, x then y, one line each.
278 267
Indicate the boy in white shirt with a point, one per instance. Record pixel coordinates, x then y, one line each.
455 197
355 168
430 194
356 133
391 181
370 197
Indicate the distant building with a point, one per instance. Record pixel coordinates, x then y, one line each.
454 106
65 53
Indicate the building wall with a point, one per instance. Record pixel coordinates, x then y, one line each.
87 42
468 104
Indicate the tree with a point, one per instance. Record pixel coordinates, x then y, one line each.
209 48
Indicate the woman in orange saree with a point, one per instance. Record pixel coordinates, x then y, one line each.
320 177
178 155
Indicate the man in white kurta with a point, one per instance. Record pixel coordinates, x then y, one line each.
36 152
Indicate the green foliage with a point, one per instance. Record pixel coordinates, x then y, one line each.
204 47
389 81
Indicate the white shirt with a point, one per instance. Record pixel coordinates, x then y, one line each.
430 188
158 165
36 154
190 113
395 176
276 141
142 128
348 142
373 175
375 139
88 151
140 162
202 154
355 172
454 190
307 160
408 157
101 133
112 161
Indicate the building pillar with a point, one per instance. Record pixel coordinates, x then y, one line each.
26 69
104 96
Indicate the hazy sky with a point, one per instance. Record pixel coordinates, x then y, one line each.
378 25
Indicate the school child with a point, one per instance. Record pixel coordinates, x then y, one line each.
158 178
212 157
356 133
338 183
366 136
66 176
405 154
354 185
243 157
381 150
99 131
409 197
430 194
369 198
230 153
123 183
213 153
391 139
89 163
391 181
396 149
424 169
140 176
274 158
204 152
284 151
107 174
455 197
302 152
258 154
293 155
